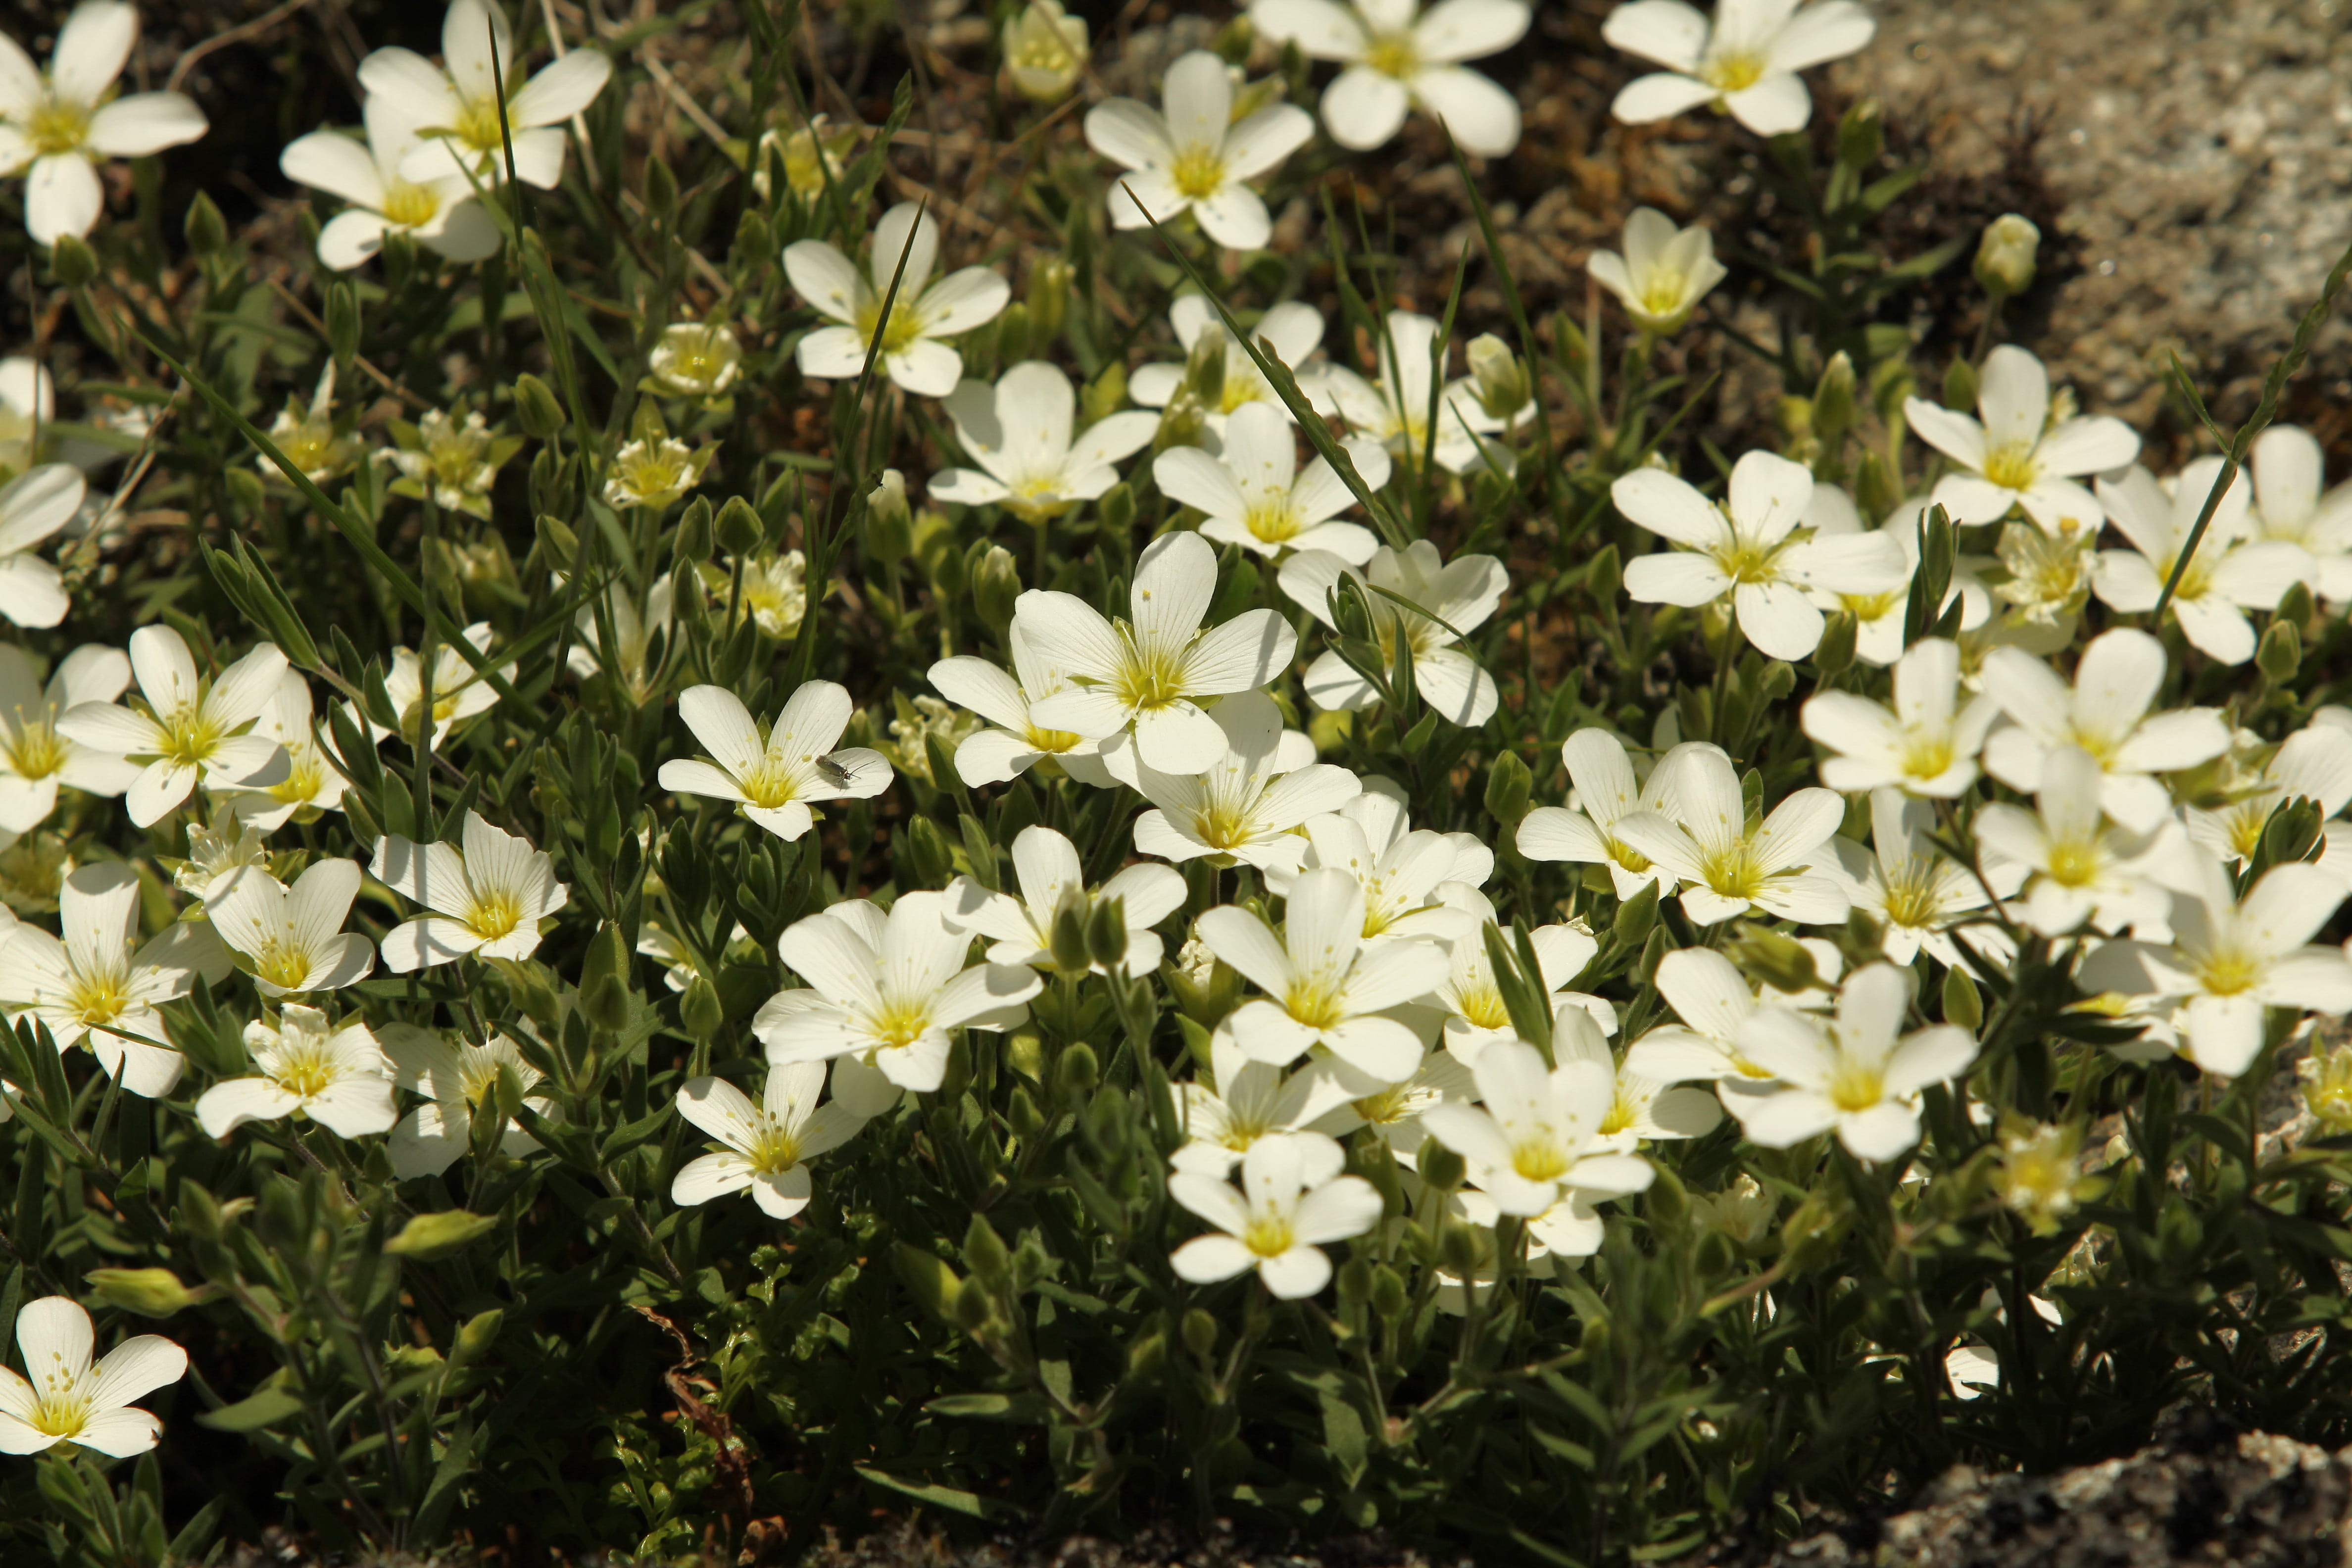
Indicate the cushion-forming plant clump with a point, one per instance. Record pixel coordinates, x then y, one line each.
679 872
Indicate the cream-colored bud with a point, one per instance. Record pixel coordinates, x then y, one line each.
2005 255
1045 50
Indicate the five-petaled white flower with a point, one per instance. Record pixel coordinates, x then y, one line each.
1729 867
1404 870
1854 1072
1033 461
488 901
1714 1001
2290 504
1293 1202
293 936
35 759
63 1398
2106 714
1046 864
1326 987
888 991
1252 493
2081 867
1926 745
1749 550
695 359
1745 62
1247 802
2229 574
2314 762
1193 155
1288 334
1585 830
439 214
769 1145
1535 1136
1453 598
469 115
2229 961
99 986
1014 742
312 783
188 729
1915 892
54 127
1400 57
1243 1100
1663 274
339 1078
1395 410
922 313
1143 681
775 777
2015 456
453 1079
1476 1014
32 507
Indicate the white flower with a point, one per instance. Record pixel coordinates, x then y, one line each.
2016 457
1639 1107
28 406
453 1079
1849 1072
1912 890
216 849
488 901
295 935
1260 785
1403 869
35 759
626 661
2229 961
458 109
1019 433
1536 1138
1015 743
188 729
2314 762
1663 274
769 1145
1328 987
1293 1202
695 359
1394 1113
1146 678
1879 616
33 507
921 314
888 990
1926 746
1748 550
1196 155
452 462
312 783
775 777
59 125
1400 57
63 1398
1584 829
1453 598
2229 575
459 691
1251 1100
2082 869
775 592
2289 472
1745 62
439 214
98 986
1045 51
1714 1003
1252 494
1047 865
2106 714
1395 411
1288 334
1476 1014
1731 867
340 1079
654 471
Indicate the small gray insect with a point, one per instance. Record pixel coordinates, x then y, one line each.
838 774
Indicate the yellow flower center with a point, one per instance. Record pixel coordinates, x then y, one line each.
1055 741
305 776
190 737
57 126
1663 291
2073 865
304 1070
1627 858
1393 54
1911 897
2010 465
1317 1001
1734 871
2245 825
903 328
1269 1235
1927 756
1483 1005
1857 1087
2230 972
1388 1105
771 783
407 206
60 1411
35 753
1275 522
1868 607
1224 825
101 996
1622 1113
901 1023
772 1149
1735 71
1743 562
2098 742
1149 678
283 965
1200 172
478 126
490 915
1540 1159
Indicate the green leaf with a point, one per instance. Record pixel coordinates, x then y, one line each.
939 1497
265 1406
1022 1409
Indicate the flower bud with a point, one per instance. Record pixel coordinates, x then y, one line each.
427 1236
2005 256
1458 1247
996 587
889 526
2294 605
1834 398
1635 915
150 1292
1077 1072
1020 1113
738 530
1012 329
1388 1298
343 321
1441 1169
1862 135
699 1008
927 1279
1835 654
1355 1281
1048 300
206 230
476 1335
1509 785
557 542
604 979
1045 51
72 263
1148 1354
1960 386
535 409
1780 962
692 543
1200 1332
1204 369
2279 653
1500 376
1874 494
1107 936
984 1252
1117 507
1069 939
1962 1005
1605 577
1105 395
